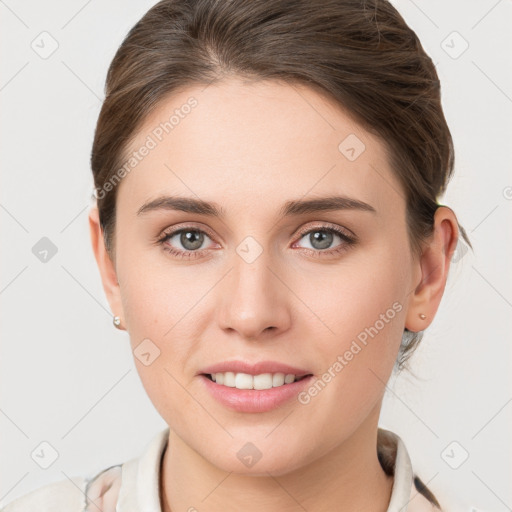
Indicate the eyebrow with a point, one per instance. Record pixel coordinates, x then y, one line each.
294 207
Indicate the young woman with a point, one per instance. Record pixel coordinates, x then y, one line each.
268 232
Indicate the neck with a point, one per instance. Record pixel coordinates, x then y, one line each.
348 478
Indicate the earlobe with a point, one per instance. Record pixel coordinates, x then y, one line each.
434 264
105 265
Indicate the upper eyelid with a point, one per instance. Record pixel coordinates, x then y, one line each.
184 225
327 226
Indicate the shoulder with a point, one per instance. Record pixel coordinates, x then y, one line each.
409 491
73 495
445 499
422 499
132 485
64 495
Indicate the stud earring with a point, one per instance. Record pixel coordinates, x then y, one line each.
117 322
422 316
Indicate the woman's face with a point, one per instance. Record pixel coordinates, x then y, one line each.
266 281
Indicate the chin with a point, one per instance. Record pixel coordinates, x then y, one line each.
258 458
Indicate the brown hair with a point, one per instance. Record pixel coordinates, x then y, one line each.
361 53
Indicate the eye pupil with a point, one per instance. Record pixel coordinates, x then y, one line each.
191 240
321 239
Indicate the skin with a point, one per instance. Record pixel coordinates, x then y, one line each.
251 147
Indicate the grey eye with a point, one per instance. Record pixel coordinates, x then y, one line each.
321 239
190 239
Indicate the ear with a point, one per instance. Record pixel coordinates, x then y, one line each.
433 266
105 265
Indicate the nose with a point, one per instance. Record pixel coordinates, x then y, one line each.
254 300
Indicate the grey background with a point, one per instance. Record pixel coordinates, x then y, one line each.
68 377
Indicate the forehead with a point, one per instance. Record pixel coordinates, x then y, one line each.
247 142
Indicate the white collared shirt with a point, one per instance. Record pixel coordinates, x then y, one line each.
134 486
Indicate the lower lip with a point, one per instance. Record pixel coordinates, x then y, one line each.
254 400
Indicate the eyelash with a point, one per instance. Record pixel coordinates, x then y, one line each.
348 241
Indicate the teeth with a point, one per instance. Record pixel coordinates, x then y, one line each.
289 378
229 379
277 379
246 381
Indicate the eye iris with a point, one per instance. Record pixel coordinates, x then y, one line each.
324 238
195 238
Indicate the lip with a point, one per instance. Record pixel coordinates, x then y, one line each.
252 400
254 368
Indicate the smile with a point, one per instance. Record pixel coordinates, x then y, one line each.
258 382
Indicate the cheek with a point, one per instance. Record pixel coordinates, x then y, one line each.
362 307
160 332
164 314
153 292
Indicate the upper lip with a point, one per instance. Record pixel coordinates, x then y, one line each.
254 368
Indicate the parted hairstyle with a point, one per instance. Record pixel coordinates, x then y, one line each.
360 53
